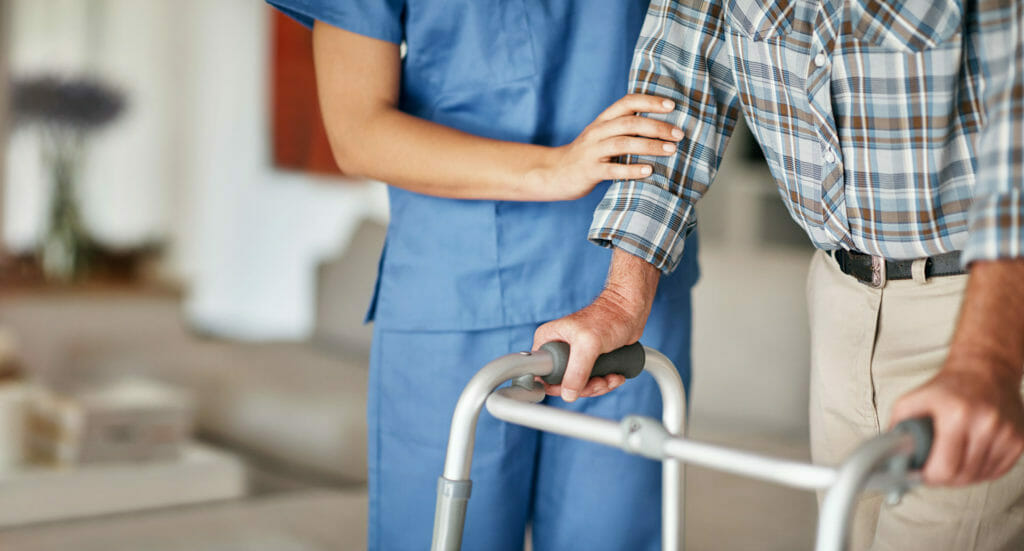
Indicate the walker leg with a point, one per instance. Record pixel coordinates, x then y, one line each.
450 516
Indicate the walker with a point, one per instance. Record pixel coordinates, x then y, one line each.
886 463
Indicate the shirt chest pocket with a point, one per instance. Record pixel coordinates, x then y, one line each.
906 25
760 19
470 43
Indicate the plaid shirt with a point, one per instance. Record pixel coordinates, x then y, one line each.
894 128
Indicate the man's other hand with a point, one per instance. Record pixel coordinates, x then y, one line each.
975 401
979 423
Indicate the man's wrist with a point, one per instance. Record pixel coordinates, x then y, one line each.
989 340
994 367
632 282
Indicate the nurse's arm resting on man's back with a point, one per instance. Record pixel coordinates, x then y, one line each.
974 400
359 79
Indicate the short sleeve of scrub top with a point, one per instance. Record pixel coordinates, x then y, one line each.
380 19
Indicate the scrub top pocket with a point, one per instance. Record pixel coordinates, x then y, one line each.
470 43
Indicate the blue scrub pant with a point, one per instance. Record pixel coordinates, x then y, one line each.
578 495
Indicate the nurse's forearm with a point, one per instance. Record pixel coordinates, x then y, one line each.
433 159
359 79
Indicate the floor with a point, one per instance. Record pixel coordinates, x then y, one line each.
724 513
306 521
728 513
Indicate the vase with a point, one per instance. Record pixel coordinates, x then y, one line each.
64 245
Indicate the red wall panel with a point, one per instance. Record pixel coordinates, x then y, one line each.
299 139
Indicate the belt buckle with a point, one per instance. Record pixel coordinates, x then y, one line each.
878 275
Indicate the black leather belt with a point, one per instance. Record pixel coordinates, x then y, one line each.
875 270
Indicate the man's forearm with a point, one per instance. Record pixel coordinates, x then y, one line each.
975 399
990 334
633 281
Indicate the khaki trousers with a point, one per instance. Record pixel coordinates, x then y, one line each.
869 347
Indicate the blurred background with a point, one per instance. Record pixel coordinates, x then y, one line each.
183 277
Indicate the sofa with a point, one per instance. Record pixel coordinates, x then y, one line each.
300 406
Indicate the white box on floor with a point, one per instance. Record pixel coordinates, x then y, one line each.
37 494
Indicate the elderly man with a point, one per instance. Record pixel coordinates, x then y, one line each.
895 133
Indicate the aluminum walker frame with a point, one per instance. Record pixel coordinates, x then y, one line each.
885 463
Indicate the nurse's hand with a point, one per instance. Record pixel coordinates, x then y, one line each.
572 170
615 318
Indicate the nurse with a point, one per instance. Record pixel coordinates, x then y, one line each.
494 132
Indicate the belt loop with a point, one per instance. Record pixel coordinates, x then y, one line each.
917 270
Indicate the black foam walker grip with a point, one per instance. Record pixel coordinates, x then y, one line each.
627 361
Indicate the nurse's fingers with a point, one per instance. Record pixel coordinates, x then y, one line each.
632 125
625 145
636 103
617 171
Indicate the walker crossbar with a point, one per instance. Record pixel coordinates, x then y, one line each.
881 463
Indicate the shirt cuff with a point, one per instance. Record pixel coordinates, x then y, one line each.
644 220
997 228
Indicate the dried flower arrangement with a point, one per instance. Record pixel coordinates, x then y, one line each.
65 111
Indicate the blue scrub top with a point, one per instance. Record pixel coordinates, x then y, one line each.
534 71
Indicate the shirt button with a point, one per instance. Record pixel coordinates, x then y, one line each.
830 156
820 59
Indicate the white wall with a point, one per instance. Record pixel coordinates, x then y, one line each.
39 42
750 331
128 171
189 162
5 37
256 234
